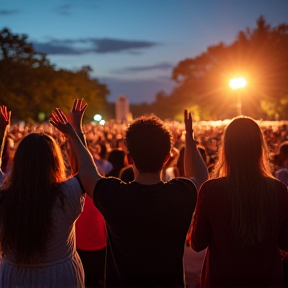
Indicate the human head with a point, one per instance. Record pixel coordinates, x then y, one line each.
101 150
244 148
117 158
38 156
282 155
149 142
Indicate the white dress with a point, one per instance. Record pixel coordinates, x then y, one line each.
62 266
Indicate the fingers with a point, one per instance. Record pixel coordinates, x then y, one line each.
54 118
74 104
61 115
78 105
58 119
84 108
185 114
5 114
52 122
58 116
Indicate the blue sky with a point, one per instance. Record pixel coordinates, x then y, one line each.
133 45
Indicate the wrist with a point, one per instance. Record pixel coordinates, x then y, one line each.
190 139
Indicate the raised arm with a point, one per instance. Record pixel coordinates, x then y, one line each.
75 119
4 124
88 173
194 165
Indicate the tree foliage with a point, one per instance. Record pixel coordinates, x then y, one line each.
260 55
30 84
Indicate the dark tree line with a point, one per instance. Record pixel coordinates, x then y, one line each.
260 55
31 86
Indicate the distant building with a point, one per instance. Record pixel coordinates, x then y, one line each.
122 109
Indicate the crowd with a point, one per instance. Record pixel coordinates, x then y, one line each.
115 205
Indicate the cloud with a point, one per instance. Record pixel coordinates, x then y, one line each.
5 12
55 49
63 9
160 66
90 45
106 45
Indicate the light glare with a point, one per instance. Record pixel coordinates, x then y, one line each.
97 117
237 83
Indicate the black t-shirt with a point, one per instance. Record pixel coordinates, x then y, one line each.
147 227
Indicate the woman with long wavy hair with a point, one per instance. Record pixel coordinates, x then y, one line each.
242 214
38 209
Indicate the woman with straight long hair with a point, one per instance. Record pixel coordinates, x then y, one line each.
242 214
38 209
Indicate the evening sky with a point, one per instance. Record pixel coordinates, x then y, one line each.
133 45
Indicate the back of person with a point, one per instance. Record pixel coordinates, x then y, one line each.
41 212
117 159
58 248
147 219
230 263
147 227
241 216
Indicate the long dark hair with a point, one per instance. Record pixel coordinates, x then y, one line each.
27 200
244 162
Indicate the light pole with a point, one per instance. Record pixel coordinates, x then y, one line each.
238 84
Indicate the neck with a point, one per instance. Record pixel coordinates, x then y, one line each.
146 178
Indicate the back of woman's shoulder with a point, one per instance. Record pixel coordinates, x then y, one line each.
279 185
280 189
213 188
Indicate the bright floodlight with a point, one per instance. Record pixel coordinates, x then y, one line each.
102 122
237 83
97 117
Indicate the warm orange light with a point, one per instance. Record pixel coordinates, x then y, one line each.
237 83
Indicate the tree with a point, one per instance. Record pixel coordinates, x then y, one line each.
30 85
260 55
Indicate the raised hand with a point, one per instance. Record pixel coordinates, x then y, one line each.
60 121
188 123
5 117
195 167
77 113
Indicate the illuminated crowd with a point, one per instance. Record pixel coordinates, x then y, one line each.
208 134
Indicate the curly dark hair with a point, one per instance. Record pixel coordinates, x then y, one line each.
149 141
